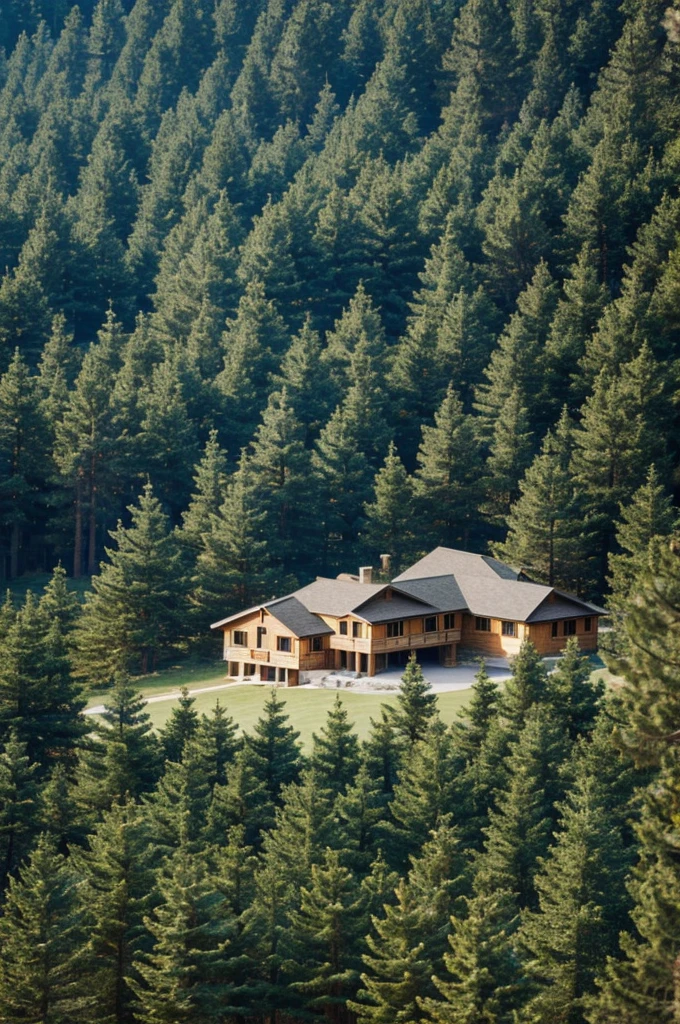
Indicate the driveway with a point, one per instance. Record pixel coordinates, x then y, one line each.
443 679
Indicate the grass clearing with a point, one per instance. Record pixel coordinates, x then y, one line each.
193 675
307 708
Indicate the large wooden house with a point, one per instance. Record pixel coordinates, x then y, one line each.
448 601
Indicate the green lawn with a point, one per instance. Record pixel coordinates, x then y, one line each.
307 708
193 675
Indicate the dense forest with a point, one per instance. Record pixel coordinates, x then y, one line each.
288 284
336 279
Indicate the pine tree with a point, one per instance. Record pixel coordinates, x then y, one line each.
483 979
274 742
210 482
112 897
478 715
124 759
38 696
416 707
527 686
186 976
23 452
389 517
521 829
447 478
281 467
360 809
233 569
167 441
326 930
583 904
18 800
335 751
85 447
425 795
241 803
135 609
304 376
574 699
40 934
621 434
546 522
219 731
181 726
409 937
511 452
649 514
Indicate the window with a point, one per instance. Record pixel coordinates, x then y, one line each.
588 624
431 624
261 631
450 621
233 668
343 629
356 629
268 675
249 670
282 675
395 628
283 643
240 638
316 643
363 663
508 629
554 628
570 627
482 625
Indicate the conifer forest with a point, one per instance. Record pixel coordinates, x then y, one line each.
285 285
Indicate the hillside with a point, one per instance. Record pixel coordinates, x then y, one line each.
321 230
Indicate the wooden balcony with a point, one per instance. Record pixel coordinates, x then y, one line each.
261 656
413 640
360 644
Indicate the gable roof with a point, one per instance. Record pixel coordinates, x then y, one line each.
450 562
289 611
337 597
298 619
445 580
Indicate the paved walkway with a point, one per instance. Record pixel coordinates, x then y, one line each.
98 709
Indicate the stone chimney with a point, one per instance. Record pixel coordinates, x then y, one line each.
385 564
365 574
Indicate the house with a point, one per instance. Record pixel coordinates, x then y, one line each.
447 601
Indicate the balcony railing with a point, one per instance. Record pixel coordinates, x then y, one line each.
285 659
401 643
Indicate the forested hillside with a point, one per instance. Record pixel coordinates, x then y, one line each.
336 279
288 284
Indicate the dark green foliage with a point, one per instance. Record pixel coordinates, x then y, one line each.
40 931
39 699
274 744
324 275
335 751
484 979
416 705
134 611
181 726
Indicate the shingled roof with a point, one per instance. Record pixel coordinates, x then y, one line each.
445 580
450 562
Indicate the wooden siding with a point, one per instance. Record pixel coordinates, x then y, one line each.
492 643
540 634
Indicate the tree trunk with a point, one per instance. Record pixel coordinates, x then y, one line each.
92 525
78 539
